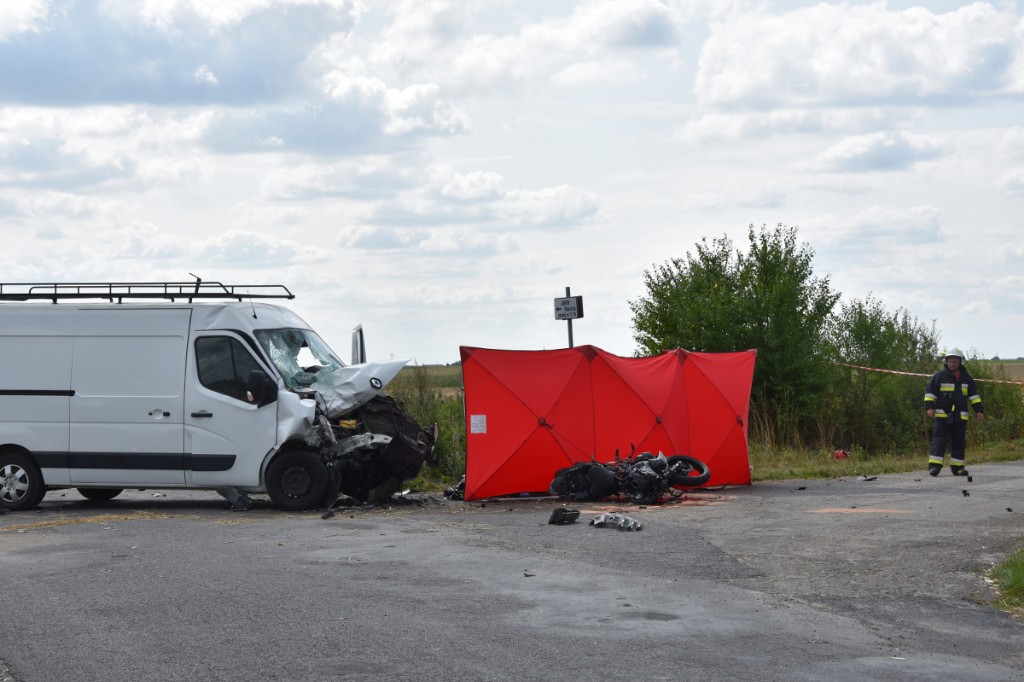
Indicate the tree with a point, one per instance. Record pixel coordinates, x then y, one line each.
880 411
720 299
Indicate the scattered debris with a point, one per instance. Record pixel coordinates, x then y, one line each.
239 500
458 492
613 520
970 479
866 478
966 494
563 515
528 574
841 454
803 487
1008 509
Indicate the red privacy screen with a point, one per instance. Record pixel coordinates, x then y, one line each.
530 413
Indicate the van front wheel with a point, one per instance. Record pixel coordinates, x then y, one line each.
21 482
297 480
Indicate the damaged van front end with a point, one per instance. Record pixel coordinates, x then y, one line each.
363 438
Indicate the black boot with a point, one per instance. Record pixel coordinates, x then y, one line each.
934 469
958 471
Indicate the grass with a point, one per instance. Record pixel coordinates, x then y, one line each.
775 464
1009 579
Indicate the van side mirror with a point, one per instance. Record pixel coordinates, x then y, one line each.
262 389
358 346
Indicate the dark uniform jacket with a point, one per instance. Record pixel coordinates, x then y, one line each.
950 397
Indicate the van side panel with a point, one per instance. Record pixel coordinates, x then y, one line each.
127 412
35 379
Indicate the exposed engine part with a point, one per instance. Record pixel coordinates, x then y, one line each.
372 449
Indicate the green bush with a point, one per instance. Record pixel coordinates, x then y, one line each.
432 395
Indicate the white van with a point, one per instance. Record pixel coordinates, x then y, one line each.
172 390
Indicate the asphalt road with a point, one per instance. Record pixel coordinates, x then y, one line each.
801 580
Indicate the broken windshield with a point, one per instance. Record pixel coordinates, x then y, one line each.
299 354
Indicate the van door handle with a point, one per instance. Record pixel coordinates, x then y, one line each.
158 413
202 415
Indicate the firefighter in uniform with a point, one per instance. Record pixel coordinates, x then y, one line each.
949 393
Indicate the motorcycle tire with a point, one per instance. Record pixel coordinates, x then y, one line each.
687 472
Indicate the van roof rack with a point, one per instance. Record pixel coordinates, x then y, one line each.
120 291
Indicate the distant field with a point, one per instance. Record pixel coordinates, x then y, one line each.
447 378
1014 369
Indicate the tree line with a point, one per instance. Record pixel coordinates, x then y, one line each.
719 298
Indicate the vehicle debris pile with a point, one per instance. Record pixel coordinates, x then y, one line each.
371 450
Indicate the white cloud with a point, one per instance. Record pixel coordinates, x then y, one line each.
472 186
366 178
842 54
148 52
147 242
255 249
49 232
96 146
1011 143
381 238
598 71
728 126
551 206
205 76
21 16
738 194
451 166
167 15
435 42
624 23
1012 182
879 151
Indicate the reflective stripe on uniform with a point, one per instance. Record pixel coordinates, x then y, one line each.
947 388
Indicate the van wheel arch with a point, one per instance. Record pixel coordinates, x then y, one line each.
21 480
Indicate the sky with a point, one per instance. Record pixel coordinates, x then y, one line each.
440 171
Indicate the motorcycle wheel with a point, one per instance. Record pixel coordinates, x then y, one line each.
687 472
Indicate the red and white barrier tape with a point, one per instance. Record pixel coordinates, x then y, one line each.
916 374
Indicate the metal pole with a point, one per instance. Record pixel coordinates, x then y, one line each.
568 295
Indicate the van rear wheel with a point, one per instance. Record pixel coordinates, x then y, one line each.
297 480
21 482
100 494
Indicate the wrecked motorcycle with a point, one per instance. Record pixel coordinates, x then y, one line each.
642 479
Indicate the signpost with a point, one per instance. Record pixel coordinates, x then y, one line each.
569 309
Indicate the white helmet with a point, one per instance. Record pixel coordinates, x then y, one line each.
954 352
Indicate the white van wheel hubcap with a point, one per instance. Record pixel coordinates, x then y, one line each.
13 483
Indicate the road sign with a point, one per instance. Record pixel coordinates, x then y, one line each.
569 308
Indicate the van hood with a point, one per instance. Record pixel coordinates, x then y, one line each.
346 388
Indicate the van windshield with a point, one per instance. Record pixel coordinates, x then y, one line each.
299 354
